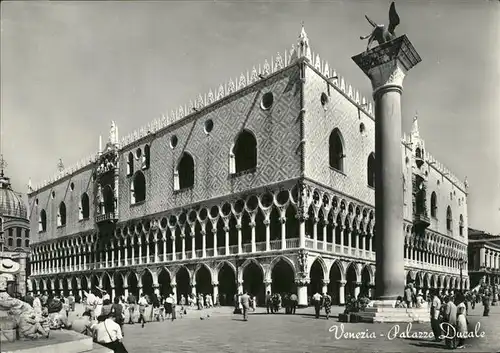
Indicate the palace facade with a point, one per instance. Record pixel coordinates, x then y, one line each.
264 184
484 258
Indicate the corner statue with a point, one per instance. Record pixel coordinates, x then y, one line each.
380 33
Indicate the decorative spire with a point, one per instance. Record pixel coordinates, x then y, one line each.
466 183
60 165
414 129
304 50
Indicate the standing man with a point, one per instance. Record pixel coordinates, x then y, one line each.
408 294
131 301
316 298
269 302
450 317
245 303
143 303
294 302
435 309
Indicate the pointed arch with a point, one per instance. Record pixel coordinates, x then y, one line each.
163 269
130 164
61 215
243 154
339 265
279 258
184 172
322 263
189 272
246 264
42 221
221 264
433 204
370 168
199 266
336 150
84 206
138 188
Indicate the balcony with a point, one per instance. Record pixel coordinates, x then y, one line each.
106 218
421 220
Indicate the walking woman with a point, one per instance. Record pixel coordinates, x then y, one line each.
461 320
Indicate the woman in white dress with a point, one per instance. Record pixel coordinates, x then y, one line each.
461 320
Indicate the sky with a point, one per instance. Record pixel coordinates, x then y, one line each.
69 68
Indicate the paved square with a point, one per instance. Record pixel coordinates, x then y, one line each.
224 332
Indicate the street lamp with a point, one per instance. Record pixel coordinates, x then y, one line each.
461 262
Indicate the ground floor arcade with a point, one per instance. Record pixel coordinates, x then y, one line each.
300 272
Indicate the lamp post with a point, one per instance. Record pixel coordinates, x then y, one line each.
461 264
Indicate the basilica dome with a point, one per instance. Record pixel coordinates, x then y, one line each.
11 203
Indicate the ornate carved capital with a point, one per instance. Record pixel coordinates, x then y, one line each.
342 283
226 229
267 222
173 285
302 282
282 220
326 282
172 237
252 224
238 226
215 283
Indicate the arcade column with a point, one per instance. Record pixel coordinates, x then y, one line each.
173 285
342 284
268 286
302 292
386 66
215 286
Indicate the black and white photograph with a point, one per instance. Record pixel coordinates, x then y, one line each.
249 176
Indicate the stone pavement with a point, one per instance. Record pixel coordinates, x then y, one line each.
225 332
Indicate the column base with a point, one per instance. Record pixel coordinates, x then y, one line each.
383 311
302 296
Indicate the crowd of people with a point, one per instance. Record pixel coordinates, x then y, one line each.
103 319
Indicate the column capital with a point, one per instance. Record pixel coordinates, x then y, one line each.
253 224
342 283
302 282
173 284
326 282
268 282
215 283
386 64
282 220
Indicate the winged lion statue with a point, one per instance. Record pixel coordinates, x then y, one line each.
380 33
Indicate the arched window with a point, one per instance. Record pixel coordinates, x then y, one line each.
130 164
84 206
243 156
10 242
433 204
418 154
461 226
61 215
108 199
184 175
336 150
138 188
27 243
145 157
371 170
42 221
448 219
19 243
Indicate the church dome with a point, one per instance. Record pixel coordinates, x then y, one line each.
11 202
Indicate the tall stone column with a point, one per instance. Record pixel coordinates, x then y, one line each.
325 286
215 286
342 284
268 286
386 65
302 292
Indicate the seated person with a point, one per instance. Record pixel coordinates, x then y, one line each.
83 324
400 303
